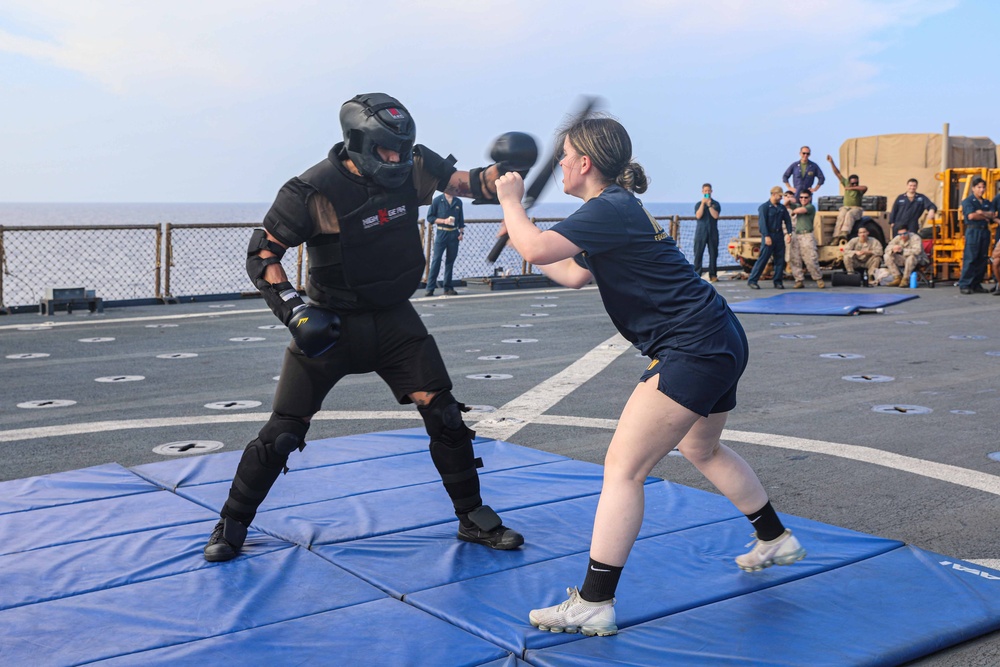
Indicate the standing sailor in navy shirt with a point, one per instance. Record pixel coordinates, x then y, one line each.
979 213
908 208
697 347
771 216
446 212
706 233
803 173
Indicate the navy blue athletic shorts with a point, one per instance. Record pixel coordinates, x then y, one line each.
703 376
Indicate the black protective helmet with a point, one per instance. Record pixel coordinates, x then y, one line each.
376 119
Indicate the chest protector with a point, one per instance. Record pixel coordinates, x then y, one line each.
377 259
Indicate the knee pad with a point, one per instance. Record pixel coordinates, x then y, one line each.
451 450
263 460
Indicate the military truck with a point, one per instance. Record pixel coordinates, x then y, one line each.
746 246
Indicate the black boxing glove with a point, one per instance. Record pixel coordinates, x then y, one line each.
314 329
514 151
511 151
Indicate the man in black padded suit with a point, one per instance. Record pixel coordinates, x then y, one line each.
357 213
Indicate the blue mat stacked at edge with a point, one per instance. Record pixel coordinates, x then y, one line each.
353 560
819 304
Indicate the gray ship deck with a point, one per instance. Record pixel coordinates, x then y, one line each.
814 438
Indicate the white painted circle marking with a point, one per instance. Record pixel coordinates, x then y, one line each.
426 314
786 324
480 409
868 378
232 405
799 336
994 455
177 355
534 314
121 378
28 355
272 326
912 322
54 403
472 351
247 339
962 412
98 339
276 378
546 297
498 357
545 305
489 376
902 409
160 326
516 326
968 337
519 340
187 447
434 305
993 353
842 355
675 452
222 305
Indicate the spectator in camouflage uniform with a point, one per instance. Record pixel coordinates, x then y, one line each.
904 250
852 210
802 251
864 251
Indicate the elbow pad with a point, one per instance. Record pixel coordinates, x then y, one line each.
257 265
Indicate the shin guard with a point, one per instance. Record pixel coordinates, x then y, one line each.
451 451
263 460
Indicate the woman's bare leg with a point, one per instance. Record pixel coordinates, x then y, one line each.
721 465
650 426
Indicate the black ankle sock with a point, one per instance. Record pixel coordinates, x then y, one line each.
600 582
766 523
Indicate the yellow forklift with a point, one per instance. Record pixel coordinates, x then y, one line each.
949 227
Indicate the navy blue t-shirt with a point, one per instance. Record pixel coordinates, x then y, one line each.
649 289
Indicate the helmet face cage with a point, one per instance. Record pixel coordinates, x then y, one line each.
374 120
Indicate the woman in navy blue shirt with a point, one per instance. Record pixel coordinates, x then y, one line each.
696 344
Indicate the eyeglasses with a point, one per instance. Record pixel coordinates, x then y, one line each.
805 197
806 153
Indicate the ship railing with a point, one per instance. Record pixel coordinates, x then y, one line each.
165 262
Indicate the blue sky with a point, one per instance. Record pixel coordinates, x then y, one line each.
223 101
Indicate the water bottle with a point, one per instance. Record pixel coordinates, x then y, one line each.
864 279
913 280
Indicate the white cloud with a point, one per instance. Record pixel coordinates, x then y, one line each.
232 83
136 47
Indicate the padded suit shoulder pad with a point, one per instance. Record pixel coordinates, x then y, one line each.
439 167
288 220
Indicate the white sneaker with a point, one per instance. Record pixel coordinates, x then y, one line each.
577 615
782 550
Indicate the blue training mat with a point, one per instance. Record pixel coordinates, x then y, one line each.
819 304
353 560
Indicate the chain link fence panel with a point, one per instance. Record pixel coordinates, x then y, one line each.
118 263
204 259
123 263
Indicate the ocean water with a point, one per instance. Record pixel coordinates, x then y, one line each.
122 264
61 214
